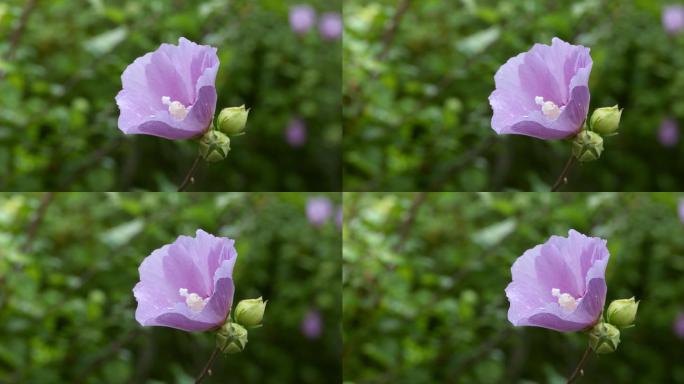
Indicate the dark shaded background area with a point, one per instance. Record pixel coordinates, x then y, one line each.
58 125
417 75
424 278
69 263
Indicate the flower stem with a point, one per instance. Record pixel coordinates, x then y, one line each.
578 370
207 368
189 177
563 177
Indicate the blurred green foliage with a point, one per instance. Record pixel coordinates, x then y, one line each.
68 264
416 114
424 278
58 125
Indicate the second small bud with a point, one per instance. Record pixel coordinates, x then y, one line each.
231 338
214 146
604 338
587 146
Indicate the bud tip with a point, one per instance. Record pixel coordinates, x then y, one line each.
232 121
250 313
606 121
621 313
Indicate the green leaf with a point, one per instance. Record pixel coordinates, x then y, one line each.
479 42
493 234
123 233
106 42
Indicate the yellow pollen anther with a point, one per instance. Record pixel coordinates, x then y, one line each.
176 109
548 108
193 300
565 300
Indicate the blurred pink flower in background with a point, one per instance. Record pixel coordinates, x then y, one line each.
680 210
668 134
302 18
679 325
318 210
312 324
330 26
295 134
673 18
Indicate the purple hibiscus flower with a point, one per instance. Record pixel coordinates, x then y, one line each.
302 18
543 93
187 284
668 134
679 325
312 324
296 133
318 210
170 92
673 19
330 26
560 284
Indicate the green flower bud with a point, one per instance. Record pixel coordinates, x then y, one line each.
214 146
605 121
232 121
621 313
249 313
231 338
587 146
604 338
